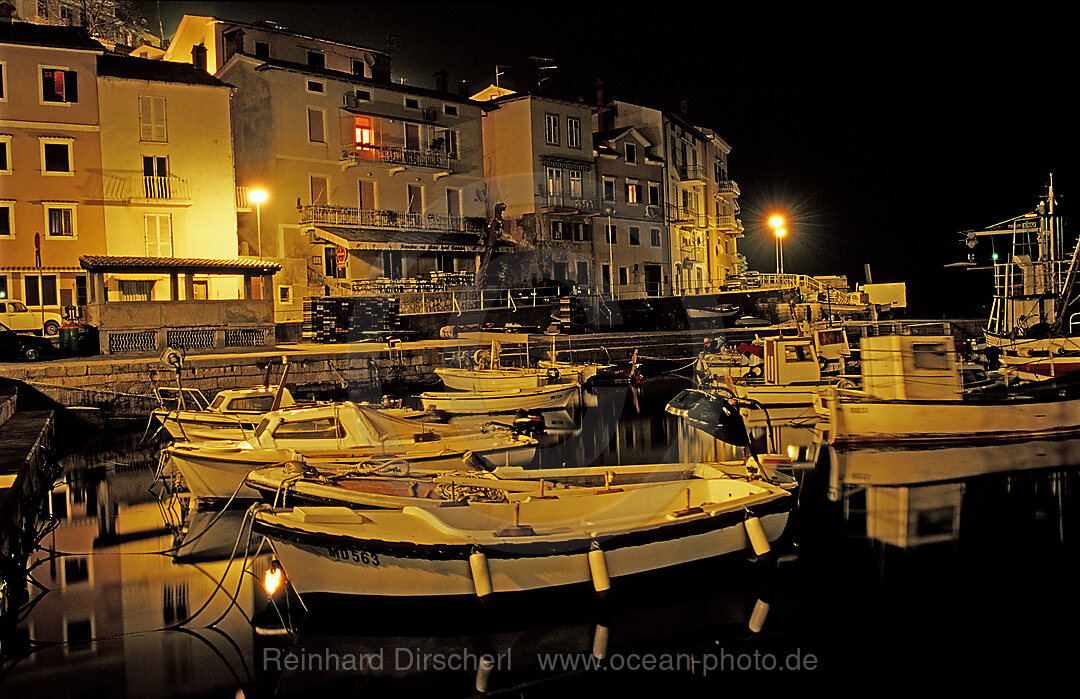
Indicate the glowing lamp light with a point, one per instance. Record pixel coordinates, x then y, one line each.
776 221
257 195
780 232
273 578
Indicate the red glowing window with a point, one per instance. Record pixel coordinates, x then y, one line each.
365 134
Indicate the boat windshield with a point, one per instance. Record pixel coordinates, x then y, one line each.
261 428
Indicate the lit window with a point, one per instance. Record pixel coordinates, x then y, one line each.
364 134
59 85
575 183
557 231
554 182
633 192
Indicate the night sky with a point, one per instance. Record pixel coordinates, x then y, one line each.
881 133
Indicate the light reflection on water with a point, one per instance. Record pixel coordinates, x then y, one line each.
926 559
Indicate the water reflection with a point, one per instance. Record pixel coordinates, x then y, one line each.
930 558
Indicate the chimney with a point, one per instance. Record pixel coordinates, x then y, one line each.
682 108
440 82
198 57
599 93
463 88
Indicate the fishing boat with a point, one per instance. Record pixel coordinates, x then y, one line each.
232 415
289 485
912 392
594 373
343 436
553 397
1034 322
512 548
485 372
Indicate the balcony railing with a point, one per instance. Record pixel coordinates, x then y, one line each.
685 215
395 155
354 217
145 189
727 188
563 201
692 173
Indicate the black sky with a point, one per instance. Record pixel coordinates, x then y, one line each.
883 132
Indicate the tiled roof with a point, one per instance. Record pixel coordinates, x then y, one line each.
47 36
113 263
160 71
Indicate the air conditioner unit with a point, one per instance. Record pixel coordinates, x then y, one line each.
429 114
652 210
350 100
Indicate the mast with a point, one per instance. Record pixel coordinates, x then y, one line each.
1066 297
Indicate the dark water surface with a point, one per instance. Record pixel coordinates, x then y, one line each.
969 574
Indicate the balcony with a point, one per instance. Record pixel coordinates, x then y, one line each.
395 155
684 215
727 189
144 189
568 203
353 217
693 173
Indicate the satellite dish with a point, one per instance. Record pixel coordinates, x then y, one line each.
369 59
172 357
481 193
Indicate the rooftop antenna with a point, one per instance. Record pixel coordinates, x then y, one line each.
540 78
498 73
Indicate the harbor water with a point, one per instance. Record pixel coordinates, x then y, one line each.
896 566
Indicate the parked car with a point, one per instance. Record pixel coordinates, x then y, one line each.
16 316
15 345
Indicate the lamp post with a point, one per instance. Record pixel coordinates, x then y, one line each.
258 196
611 255
777 223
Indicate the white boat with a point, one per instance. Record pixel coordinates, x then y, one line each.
554 397
791 375
912 392
232 415
486 373
284 485
517 547
343 436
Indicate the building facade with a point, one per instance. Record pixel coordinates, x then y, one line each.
51 209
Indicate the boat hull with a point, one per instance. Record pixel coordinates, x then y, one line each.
198 427
858 420
490 379
340 565
464 402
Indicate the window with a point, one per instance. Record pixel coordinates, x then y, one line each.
40 294
262 50
158 228
415 198
156 183
285 294
635 235
60 220
137 290
363 132
445 141
453 203
357 67
363 95
56 156
59 85
557 232
655 237
412 136
7 219
76 570
3 81
3 286
367 195
152 119
316 129
323 428
927 356
316 86
412 103
654 194
633 192
575 183
554 182
316 60
450 110
319 186
609 189
612 235
581 232
80 290
560 271
551 129
582 273
624 276
631 152
573 132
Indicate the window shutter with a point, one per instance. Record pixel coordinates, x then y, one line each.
146 118
71 86
159 132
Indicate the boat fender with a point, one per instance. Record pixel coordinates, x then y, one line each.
481 576
823 363
483 673
756 532
757 617
598 569
482 358
553 374
756 371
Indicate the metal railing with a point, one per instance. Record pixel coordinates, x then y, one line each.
354 217
146 188
691 173
397 155
569 202
729 187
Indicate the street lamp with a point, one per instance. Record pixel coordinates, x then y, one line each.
777 223
258 196
611 256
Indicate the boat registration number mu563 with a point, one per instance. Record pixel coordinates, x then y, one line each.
354 555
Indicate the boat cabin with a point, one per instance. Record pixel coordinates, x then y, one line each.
790 360
250 400
910 367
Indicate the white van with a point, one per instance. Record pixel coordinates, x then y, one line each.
19 318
